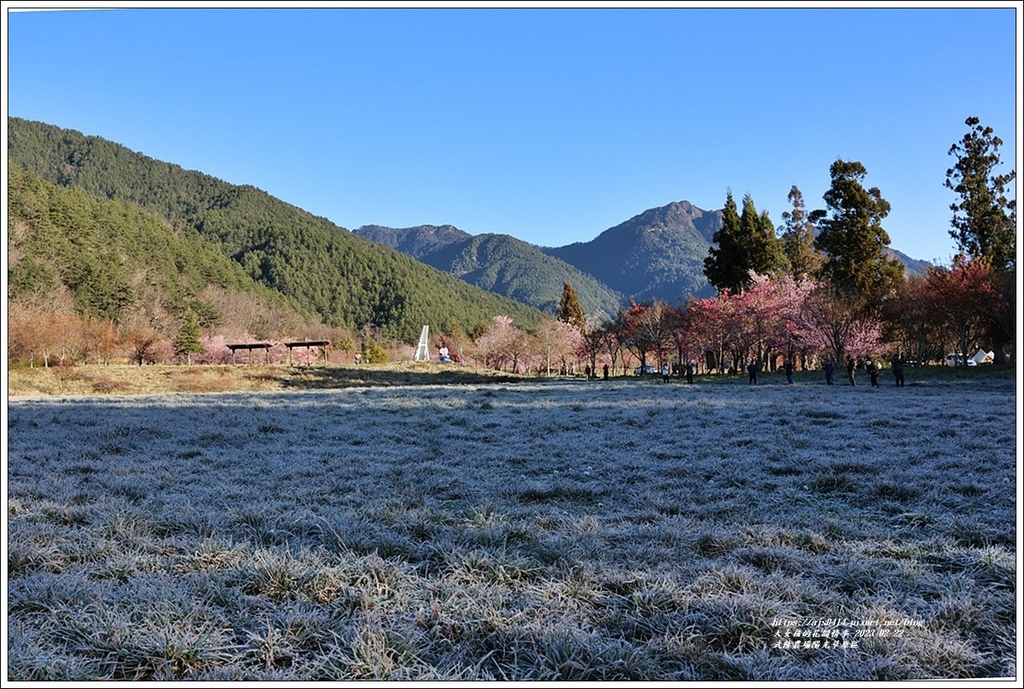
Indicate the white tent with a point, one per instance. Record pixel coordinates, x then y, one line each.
981 356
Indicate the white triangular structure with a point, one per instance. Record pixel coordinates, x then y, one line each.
422 352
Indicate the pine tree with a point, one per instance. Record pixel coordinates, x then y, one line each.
187 341
984 220
803 259
745 244
852 237
725 264
569 308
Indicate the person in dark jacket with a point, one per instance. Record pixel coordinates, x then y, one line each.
830 371
788 367
873 369
897 370
850 371
752 374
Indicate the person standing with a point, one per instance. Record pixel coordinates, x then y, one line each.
897 369
664 372
788 366
830 371
606 371
850 371
752 374
873 369
689 373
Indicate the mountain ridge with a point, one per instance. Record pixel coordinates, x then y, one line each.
499 263
656 254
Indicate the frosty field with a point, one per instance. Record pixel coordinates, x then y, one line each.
563 530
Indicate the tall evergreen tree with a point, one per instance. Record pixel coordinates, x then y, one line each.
569 308
725 264
766 256
745 243
187 341
852 237
984 220
803 259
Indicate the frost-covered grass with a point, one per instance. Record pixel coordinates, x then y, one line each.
625 530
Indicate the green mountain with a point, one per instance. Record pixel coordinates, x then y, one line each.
499 263
658 254
323 269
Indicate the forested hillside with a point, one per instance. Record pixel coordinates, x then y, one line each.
319 267
512 267
107 260
502 264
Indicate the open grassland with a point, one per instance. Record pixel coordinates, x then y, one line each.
563 530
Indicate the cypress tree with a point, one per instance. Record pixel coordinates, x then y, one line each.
746 242
984 220
725 264
569 308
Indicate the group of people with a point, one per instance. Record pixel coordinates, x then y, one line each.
753 368
691 368
872 367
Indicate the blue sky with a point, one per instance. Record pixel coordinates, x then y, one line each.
550 124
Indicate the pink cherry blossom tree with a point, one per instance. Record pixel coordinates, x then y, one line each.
837 327
502 344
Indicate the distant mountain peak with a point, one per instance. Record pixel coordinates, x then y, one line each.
417 241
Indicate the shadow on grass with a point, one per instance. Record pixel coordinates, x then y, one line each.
329 377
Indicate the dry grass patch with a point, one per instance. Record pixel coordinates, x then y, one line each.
161 379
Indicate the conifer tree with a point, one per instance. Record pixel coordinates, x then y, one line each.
984 220
187 341
765 250
725 264
803 259
569 308
745 243
852 237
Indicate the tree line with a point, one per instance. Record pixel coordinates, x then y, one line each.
825 287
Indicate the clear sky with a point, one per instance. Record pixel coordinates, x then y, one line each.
548 123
